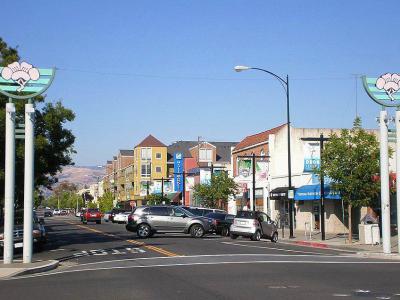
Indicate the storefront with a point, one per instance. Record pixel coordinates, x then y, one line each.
308 209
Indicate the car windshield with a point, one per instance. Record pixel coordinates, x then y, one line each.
93 210
245 214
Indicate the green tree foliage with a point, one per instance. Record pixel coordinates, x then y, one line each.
351 160
106 202
217 192
157 199
53 142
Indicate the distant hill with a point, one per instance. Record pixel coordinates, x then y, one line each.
81 176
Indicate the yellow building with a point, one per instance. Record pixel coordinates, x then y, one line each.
150 166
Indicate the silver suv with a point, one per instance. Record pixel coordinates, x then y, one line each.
147 220
254 224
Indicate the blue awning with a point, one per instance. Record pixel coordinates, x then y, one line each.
313 192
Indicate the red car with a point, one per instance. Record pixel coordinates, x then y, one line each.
91 215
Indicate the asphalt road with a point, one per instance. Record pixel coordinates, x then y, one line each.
107 262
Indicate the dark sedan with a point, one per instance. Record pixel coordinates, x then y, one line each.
221 222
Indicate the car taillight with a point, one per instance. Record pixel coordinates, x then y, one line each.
255 222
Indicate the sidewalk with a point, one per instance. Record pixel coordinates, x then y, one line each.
18 268
339 242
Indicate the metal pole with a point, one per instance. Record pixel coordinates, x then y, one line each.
385 200
397 175
291 216
9 184
322 198
184 188
162 187
29 181
254 181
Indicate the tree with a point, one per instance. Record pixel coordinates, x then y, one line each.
106 202
157 199
217 192
53 142
351 160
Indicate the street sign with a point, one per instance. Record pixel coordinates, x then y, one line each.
383 90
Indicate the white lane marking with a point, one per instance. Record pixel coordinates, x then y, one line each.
278 249
206 255
203 263
384 297
362 291
55 250
341 295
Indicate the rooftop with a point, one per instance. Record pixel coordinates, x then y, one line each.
151 141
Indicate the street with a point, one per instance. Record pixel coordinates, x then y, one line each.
107 262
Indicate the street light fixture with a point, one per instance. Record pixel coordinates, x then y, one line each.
285 85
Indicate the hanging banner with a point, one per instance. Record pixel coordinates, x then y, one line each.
312 158
244 168
205 176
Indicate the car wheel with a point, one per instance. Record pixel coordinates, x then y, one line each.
234 236
143 231
225 232
274 237
256 236
196 231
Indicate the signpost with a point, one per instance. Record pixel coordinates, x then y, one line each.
383 90
20 81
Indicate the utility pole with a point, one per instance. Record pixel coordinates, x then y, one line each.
321 139
253 161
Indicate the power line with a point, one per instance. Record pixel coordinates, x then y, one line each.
191 77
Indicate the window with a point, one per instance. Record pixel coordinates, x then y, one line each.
205 155
145 153
177 212
158 169
158 155
146 170
159 211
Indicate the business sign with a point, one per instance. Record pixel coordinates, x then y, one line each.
178 171
383 89
24 81
244 167
312 159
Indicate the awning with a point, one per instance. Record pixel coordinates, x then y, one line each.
313 192
279 193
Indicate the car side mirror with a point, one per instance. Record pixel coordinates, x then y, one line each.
41 221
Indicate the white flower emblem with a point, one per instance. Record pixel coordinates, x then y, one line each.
390 83
20 73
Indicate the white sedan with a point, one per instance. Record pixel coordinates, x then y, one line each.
122 217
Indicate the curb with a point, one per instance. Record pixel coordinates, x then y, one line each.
53 264
316 245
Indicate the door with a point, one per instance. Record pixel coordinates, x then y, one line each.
266 224
177 219
158 218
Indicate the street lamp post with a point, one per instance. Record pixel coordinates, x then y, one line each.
285 85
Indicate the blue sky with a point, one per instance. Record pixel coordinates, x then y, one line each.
131 68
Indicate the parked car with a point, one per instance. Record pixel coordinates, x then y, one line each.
56 212
147 220
78 213
91 215
122 217
48 213
254 224
38 232
115 211
221 222
106 216
202 211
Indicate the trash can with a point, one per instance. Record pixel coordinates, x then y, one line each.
369 234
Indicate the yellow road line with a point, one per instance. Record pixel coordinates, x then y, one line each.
150 247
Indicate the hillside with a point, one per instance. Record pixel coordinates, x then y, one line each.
81 176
